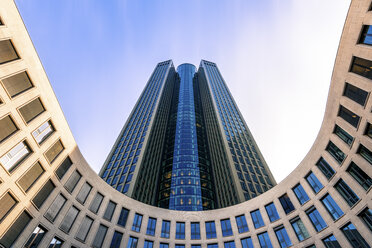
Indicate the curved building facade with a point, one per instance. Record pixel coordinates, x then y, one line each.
50 197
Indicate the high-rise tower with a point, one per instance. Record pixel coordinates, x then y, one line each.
185 146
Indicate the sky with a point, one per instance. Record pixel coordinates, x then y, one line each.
276 57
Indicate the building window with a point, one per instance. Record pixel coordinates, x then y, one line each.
53 152
360 176
7 52
116 239
7 203
84 229
32 110
100 236
148 244
241 224
361 67
368 131
335 152
165 229
83 193
356 94
349 116
17 84
346 192
300 229
286 204
31 177
272 212
36 237
226 227
316 219
7 128
366 35
210 230
110 209
96 203
343 135
300 194
164 245
314 183
257 219
151 226
43 132
195 246
137 222
331 242
63 168
325 168
180 246
55 208
180 230
195 230
354 237
15 229
55 243
72 181
264 240
212 245
43 194
132 243
229 244
12 159
282 236
333 209
122 221
69 219
366 216
247 243
365 153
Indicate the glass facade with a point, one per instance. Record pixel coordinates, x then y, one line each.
121 163
174 141
185 183
247 159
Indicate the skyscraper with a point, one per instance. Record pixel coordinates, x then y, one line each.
185 145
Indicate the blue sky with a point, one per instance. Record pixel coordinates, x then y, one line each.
276 56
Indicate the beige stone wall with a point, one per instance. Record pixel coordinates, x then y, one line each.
14 29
